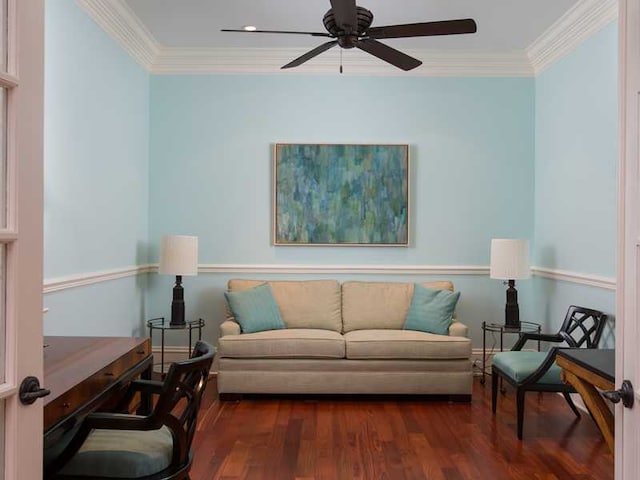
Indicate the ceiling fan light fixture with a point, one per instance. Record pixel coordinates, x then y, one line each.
349 26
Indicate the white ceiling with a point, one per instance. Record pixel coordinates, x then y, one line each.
503 25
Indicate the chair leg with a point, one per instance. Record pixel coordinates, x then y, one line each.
520 410
567 397
494 391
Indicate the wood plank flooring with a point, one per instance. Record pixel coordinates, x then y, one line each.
395 439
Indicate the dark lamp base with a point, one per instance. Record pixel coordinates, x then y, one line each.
511 310
177 305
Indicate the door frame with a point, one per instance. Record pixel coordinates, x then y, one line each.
627 422
24 355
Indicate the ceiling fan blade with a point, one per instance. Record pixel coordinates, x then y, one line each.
388 54
426 29
313 34
310 54
345 14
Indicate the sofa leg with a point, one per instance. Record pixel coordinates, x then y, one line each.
230 397
460 398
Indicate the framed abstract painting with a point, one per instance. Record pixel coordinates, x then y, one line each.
341 195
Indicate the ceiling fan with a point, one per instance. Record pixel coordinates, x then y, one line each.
349 26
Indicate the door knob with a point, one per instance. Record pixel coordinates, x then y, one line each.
624 393
30 390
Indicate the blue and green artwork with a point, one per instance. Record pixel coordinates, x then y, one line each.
341 194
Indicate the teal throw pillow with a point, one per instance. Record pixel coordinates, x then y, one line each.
431 310
255 309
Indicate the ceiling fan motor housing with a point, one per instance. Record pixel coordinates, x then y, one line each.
348 40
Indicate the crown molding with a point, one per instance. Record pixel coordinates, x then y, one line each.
122 24
355 62
579 23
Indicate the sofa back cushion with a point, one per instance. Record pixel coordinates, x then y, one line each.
379 305
302 304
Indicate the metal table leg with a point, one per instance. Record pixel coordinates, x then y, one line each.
484 352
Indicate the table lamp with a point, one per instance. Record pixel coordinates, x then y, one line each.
178 256
510 261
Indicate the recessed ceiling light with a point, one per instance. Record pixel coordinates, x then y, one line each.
249 28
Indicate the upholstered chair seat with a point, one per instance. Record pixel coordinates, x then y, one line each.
122 454
520 365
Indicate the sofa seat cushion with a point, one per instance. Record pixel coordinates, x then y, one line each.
287 343
404 344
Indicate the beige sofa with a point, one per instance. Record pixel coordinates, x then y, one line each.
342 339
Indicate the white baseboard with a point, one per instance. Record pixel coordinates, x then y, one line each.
577 399
172 353
476 359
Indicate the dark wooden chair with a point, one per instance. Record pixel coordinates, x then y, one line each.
537 371
155 446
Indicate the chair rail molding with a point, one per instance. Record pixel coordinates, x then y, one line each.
84 279
117 19
608 283
349 269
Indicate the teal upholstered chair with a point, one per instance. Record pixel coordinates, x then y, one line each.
151 447
537 371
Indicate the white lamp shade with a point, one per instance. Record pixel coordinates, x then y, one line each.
509 259
178 255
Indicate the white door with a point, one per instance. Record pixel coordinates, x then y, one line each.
627 457
21 185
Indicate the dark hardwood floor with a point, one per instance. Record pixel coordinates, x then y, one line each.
395 439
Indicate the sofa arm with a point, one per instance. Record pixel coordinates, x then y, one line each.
229 328
457 329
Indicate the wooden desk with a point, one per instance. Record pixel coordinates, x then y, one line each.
83 373
586 370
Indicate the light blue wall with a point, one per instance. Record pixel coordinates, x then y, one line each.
129 157
576 154
96 172
114 308
210 160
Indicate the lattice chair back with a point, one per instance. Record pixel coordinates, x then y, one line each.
179 402
582 327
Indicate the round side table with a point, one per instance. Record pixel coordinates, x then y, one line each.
161 324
